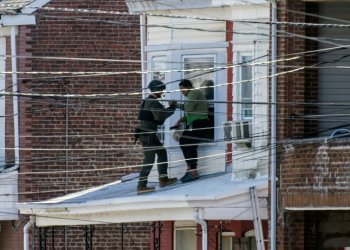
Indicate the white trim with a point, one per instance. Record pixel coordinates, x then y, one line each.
2 100
184 46
238 116
33 6
227 201
149 5
317 208
14 20
228 234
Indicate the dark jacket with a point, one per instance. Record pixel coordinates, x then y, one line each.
152 113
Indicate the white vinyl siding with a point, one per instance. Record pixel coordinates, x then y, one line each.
164 30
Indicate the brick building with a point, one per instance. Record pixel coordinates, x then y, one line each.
196 40
52 146
312 124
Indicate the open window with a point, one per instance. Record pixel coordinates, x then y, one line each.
200 70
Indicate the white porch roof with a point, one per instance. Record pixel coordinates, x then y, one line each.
216 196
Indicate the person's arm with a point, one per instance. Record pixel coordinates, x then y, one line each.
180 106
160 113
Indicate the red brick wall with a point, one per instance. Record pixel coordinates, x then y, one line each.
296 163
296 88
98 129
10 236
315 174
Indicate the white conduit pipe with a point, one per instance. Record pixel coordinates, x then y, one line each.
26 233
273 176
14 100
203 226
15 90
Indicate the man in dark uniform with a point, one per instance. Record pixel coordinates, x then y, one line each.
153 113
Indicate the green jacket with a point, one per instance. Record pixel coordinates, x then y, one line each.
195 106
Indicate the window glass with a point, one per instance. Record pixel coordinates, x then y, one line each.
158 64
185 239
246 89
158 67
199 69
227 243
204 77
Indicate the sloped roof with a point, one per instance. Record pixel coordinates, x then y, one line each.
217 196
13 6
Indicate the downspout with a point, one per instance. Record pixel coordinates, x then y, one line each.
203 226
26 233
273 124
14 100
143 43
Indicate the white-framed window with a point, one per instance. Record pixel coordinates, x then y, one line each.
200 70
244 76
158 66
185 238
174 60
233 243
203 74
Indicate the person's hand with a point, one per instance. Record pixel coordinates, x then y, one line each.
172 103
178 123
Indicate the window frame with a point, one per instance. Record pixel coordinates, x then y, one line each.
174 54
211 105
183 228
239 86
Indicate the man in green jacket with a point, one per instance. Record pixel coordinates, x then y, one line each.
153 113
197 127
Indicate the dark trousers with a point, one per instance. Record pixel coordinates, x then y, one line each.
149 154
191 137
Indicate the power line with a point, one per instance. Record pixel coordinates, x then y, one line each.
91 11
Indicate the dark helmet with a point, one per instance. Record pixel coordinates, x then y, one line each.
156 85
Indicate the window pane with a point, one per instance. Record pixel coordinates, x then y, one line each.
201 78
226 243
186 239
246 89
158 63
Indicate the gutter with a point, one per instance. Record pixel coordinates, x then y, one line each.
203 226
26 233
273 124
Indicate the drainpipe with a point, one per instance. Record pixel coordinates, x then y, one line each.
14 99
273 124
143 43
26 233
203 226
